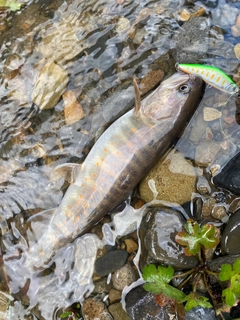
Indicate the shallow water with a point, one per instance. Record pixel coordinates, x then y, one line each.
101 46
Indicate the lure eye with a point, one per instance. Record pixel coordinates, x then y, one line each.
184 88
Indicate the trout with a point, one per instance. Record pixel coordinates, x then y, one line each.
120 158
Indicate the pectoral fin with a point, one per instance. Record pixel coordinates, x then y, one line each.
68 171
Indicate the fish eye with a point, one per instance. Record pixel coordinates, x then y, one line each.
184 88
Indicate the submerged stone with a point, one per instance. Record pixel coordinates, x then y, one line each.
228 178
110 262
141 304
231 235
50 85
123 277
157 232
174 178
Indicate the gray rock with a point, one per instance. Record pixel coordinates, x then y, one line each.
224 16
192 40
228 178
157 232
201 314
123 277
215 264
231 235
141 305
110 262
117 312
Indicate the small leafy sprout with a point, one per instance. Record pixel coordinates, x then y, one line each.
73 314
157 281
195 237
13 5
231 274
194 300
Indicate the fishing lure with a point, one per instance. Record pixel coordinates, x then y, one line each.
211 75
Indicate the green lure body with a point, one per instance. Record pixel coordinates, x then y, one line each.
211 75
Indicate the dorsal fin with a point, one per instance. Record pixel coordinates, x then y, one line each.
137 97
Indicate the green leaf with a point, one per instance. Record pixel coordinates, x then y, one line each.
194 300
66 314
230 297
157 280
196 237
14 5
226 272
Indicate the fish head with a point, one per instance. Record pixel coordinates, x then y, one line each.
175 93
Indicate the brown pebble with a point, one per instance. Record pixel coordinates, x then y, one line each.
237 51
114 295
72 110
150 81
139 204
218 212
131 245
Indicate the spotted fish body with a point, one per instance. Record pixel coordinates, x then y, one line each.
211 75
121 157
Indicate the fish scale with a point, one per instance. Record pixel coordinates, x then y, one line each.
120 158
211 75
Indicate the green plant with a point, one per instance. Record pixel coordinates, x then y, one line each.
195 239
232 275
73 314
13 5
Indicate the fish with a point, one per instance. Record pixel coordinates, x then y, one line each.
211 75
117 162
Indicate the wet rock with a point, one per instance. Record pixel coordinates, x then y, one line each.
72 109
50 85
219 212
117 312
168 174
206 153
210 3
192 40
123 25
215 264
200 313
157 233
111 261
224 16
198 129
237 48
207 207
235 30
203 186
142 305
114 296
101 286
210 114
231 235
150 81
139 36
186 14
123 277
123 95
131 245
92 309
228 178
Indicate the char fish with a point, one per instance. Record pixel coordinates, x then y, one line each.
120 158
